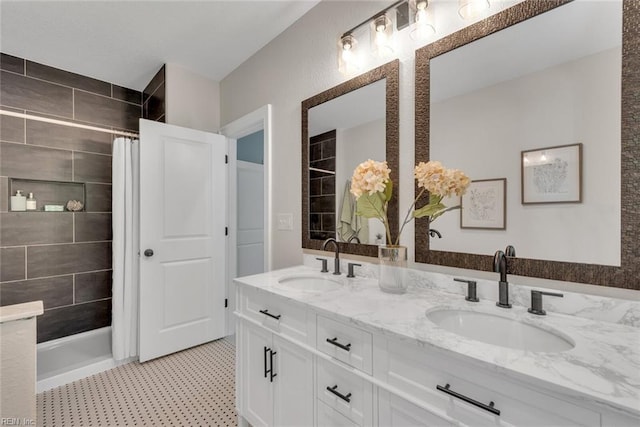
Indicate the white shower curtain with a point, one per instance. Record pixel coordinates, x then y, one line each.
125 179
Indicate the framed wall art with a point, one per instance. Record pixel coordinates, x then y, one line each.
484 205
552 175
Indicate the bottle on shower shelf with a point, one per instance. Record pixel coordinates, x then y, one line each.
18 202
31 203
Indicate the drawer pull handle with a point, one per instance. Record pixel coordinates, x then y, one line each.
271 374
266 371
474 402
266 312
333 390
334 341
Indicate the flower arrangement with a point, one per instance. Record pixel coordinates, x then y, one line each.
373 189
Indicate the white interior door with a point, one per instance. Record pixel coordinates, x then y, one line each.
250 217
183 193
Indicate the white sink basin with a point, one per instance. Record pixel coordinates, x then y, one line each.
310 283
499 330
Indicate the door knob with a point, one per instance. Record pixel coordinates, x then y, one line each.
148 252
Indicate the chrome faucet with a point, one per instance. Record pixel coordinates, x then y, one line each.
336 269
500 266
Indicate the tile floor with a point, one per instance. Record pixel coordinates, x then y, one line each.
194 387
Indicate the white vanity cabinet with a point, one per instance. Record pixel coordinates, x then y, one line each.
301 366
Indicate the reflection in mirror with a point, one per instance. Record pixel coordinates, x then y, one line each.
548 81
341 128
487 119
344 132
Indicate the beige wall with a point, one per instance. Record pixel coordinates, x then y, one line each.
192 100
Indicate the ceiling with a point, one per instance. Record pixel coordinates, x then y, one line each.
125 41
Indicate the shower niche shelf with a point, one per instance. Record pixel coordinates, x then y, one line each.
48 192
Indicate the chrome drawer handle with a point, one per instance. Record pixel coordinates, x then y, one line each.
334 390
474 402
266 312
334 341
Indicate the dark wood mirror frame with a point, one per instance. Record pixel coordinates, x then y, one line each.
628 274
390 72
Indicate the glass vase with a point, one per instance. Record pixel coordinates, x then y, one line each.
393 268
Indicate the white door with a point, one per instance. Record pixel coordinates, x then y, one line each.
250 212
182 238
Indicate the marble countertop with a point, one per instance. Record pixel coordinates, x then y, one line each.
602 369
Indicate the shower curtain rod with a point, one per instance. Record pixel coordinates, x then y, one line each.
70 124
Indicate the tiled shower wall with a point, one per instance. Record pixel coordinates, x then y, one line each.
322 186
153 98
61 258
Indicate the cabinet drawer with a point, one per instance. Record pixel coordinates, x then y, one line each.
284 316
344 392
394 411
329 417
419 371
346 343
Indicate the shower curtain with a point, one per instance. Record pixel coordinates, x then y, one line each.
125 179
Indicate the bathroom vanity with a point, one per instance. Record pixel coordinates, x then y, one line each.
318 349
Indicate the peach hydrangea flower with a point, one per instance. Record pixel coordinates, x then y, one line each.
434 178
369 177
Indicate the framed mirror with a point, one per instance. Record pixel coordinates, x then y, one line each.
341 128
528 102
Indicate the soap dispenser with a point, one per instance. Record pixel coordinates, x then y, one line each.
31 203
18 202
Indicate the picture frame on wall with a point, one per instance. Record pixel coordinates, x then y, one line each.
552 175
484 205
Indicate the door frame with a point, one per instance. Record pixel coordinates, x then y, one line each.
255 121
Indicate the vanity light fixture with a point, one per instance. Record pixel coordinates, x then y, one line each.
470 9
381 29
424 25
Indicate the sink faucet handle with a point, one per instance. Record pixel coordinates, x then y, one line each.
350 267
324 265
471 289
536 301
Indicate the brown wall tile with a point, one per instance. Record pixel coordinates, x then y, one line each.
25 161
36 95
12 63
155 104
69 138
106 111
153 85
12 264
11 129
63 321
93 286
56 260
128 95
53 291
4 193
92 227
56 75
32 228
91 167
98 198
